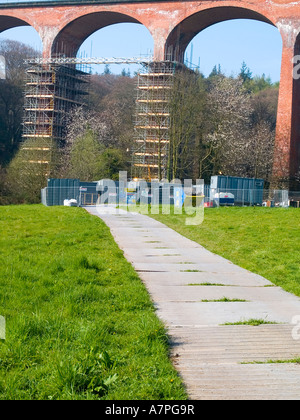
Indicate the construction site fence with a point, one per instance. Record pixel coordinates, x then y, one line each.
208 197
252 197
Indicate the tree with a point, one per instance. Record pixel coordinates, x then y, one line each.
100 86
113 102
28 171
83 157
112 161
117 110
106 69
245 73
242 134
89 160
4 192
187 107
230 110
125 73
260 148
264 104
81 120
12 96
216 71
219 126
258 84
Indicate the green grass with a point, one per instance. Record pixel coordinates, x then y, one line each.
223 299
254 322
79 322
207 284
265 241
190 271
297 361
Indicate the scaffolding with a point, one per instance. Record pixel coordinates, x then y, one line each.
55 86
151 146
51 92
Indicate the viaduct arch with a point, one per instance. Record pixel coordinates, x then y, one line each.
70 38
183 33
64 25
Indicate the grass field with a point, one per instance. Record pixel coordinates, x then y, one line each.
79 322
265 241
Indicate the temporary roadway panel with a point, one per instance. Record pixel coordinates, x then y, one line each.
215 361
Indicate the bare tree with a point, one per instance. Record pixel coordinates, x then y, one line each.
187 111
79 120
260 148
12 96
230 110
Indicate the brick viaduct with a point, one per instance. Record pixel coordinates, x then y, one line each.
64 25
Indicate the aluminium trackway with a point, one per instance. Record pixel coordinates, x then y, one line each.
215 361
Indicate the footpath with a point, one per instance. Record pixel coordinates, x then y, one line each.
184 280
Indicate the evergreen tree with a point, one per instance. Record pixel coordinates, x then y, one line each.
245 73
106 69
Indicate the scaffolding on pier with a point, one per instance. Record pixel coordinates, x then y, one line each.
51 91
151 146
